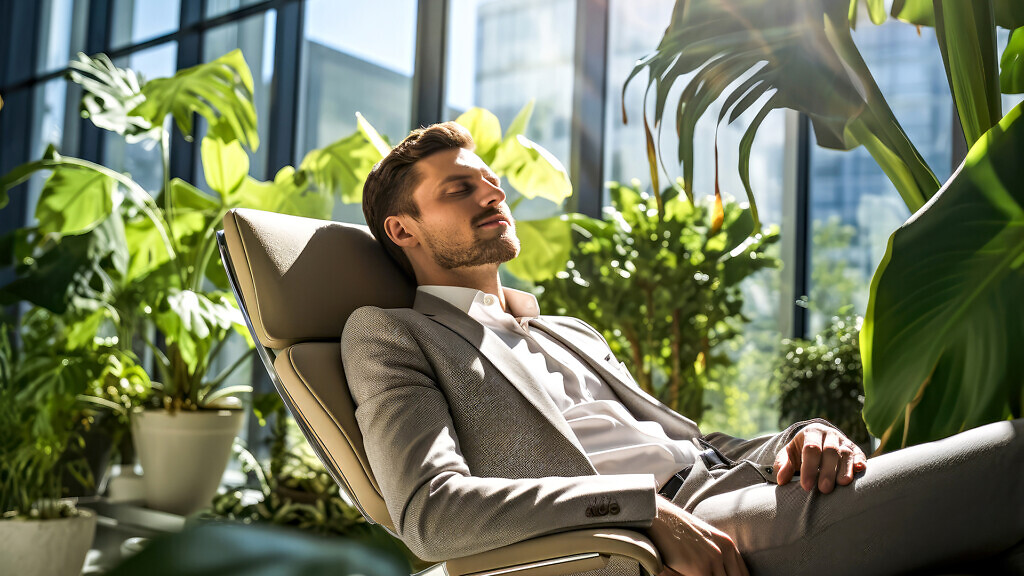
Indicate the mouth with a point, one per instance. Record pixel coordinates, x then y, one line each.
496 221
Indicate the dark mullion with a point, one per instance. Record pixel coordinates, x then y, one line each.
284 90
428 89
802 253
97 39
586 165
190 53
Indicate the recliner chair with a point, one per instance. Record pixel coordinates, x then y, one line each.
296 281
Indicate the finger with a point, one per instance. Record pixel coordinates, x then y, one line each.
846 467
860 461
829 468
783 468
811 459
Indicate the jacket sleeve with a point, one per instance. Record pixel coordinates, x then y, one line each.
439 508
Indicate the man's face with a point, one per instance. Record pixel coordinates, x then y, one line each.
464 220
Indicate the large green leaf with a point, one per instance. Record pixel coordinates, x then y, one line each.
945 321
1011 75
110 93
876 11
967 42
220 91
188 319
225 163
486 131
545 246
288 193
532 170
795 54
340 168
74 200
1008 13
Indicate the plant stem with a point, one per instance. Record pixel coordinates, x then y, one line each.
165 158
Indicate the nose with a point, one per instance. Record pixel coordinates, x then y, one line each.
490 194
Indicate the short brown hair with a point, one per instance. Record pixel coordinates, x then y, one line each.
389 186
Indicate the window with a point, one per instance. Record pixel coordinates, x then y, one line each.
356 57
854 208
255 37
61 34
500 55
137 21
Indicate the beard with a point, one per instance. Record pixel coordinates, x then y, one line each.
451 254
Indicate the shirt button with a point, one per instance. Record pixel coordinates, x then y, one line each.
489 300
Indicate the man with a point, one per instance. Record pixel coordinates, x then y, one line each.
486 423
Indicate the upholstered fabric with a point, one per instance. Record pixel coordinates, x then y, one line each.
301 278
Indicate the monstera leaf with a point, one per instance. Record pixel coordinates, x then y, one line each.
795 54
220 91
1007 13
110 93
340 169
945 322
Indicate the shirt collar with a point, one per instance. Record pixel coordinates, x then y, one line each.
520 304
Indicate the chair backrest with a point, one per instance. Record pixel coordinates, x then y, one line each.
296 281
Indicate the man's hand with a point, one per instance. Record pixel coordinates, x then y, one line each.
692 547
824 457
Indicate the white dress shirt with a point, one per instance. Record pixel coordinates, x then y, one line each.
613 439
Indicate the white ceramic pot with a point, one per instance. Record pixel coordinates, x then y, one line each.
183 455
46 547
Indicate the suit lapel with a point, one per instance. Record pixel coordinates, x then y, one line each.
641 404
499 355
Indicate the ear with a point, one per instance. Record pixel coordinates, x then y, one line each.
395 228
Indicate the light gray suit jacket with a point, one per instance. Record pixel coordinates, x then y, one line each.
471 453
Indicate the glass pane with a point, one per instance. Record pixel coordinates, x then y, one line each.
136 21
502 54
255 37
62 33
741 404
49 109
347 68
215 8
854 206
142 160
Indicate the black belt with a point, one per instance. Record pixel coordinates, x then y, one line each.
711 458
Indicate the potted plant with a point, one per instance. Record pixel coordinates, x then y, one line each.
40 534
944 313
159 272
666 286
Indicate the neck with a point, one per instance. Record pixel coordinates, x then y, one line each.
483 278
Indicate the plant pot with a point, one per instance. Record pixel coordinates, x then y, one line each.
183 455
46 547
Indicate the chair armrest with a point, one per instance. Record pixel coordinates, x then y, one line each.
562 553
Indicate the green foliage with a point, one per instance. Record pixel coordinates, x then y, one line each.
945 319
148 258
944 308
50 391
237 550
823 378
664 291
295 489
797 55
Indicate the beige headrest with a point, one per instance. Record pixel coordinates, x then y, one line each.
301 278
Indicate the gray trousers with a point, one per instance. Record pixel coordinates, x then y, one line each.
934 506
